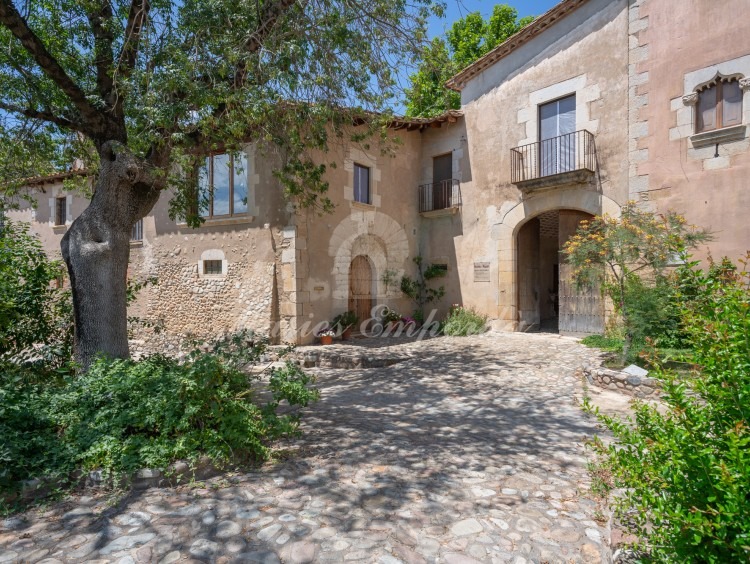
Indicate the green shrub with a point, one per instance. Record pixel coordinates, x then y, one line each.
122 415
461 322
29 442
685 468
36 319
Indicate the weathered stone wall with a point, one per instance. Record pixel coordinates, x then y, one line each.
585 54
675 48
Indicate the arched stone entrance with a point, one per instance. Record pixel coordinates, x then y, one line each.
548 300
361 287
506 231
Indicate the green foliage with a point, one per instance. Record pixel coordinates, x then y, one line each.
685 467
467 40
122 415
462 321
628 254
201 74
418 289
344 320
605 343
389 315
35 316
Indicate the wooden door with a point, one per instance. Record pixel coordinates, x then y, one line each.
360 288
581 309
442 173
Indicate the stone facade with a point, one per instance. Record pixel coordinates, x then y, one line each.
634 67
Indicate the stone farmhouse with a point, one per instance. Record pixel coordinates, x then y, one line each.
595 103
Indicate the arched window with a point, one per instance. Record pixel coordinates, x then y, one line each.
719 104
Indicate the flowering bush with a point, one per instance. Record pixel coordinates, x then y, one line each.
616 251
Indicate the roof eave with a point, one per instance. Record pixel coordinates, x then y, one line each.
538 26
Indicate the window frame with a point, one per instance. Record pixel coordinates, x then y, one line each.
209 159
356 185
718 85
61 211
136 233
212 271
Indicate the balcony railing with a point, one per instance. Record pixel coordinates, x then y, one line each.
559 155
439 195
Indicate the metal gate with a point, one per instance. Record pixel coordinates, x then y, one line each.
360 288
581 309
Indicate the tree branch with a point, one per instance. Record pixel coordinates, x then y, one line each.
271 14
12 20
139 10
103 50
31 113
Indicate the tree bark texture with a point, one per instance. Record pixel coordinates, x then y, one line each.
96 250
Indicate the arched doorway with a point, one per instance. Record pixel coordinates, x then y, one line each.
548 300
361 293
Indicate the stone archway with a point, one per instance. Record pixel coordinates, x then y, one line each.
548 300
506 231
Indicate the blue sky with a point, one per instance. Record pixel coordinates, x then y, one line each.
459 8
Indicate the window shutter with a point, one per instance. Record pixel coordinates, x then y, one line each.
732 103
707 109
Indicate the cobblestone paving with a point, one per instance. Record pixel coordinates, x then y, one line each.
469 451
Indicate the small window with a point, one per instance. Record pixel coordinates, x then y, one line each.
137 233
361 184
222 186
61 210
719 105
440 268
212 267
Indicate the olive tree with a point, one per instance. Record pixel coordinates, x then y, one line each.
138 88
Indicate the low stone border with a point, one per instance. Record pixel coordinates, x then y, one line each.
179 472
636 386
333 359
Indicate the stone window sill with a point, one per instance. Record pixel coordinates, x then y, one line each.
219 222
59 228
136 244
362 206
733 133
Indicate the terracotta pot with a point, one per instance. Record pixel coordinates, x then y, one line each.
346 334
326 339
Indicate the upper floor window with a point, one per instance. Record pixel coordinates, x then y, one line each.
361 184
61 210
719 105
222 185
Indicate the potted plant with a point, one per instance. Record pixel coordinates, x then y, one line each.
391 318
326 336
344 323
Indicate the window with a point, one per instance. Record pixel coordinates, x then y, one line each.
137 233
361 184
212 267
61 210
557 126
222 186
719 105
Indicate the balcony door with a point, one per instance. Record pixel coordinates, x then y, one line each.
557 126
442 186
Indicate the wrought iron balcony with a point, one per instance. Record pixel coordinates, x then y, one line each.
569 158
443 195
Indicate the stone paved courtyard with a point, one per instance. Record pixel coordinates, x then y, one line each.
469 450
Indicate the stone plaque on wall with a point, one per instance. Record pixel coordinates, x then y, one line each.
481 272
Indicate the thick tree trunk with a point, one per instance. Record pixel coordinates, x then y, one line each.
96 250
